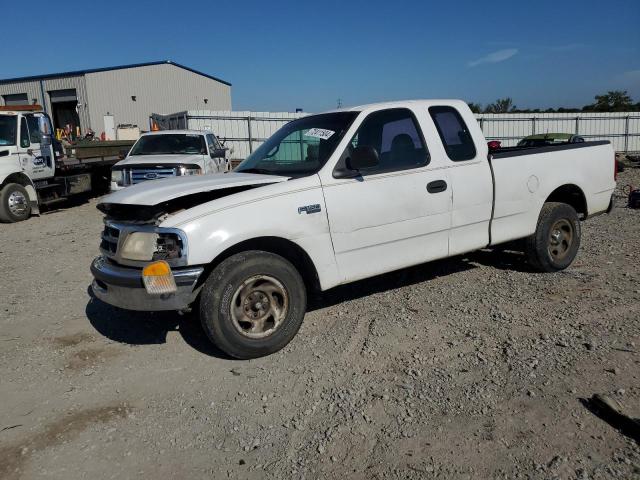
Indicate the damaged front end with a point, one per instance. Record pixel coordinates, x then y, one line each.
143 265
155 214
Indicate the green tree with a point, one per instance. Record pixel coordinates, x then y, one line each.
475 107
612 101
502 105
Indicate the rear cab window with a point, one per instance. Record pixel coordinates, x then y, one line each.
454 133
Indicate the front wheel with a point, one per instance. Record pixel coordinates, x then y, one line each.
14 203
252 304
555 243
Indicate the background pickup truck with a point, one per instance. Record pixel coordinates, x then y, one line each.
337 197
170 153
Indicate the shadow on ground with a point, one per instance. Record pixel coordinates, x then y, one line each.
629 427
149 328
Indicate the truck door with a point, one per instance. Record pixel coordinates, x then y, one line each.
397 213
36 151
470 175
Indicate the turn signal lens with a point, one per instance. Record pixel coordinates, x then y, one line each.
158 279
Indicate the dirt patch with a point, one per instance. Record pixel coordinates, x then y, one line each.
89 357
73 340
13 457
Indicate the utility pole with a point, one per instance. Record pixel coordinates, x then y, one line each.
339 103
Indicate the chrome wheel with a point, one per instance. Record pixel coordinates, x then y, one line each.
259 306
561 237
18 204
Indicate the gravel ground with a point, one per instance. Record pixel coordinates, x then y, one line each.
473 367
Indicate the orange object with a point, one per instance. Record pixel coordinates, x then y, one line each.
20 108
158 278
156 269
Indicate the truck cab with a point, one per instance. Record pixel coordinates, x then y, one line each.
26 157
170 153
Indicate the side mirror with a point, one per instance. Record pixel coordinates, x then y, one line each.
218 153
122 154
363 157
46 140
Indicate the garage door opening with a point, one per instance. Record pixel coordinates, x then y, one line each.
64 110
16 99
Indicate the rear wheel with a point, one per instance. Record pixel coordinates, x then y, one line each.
252 304
555 243
14 203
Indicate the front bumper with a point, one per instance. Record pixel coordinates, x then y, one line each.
122 287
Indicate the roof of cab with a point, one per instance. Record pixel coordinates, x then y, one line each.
178 132
406 103
402 103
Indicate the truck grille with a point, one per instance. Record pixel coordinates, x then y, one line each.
137 175
109 243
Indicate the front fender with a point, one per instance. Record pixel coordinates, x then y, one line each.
279 212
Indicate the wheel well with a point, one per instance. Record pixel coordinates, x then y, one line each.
571 195
279 246
19 178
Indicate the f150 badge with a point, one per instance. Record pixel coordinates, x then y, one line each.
315 208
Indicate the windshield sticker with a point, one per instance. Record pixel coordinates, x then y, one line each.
321 133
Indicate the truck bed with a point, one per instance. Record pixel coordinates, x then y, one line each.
518 151
523 184
94 154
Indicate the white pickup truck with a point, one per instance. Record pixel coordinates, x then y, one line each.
337 197
170 153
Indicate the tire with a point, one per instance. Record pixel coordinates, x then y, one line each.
15 205
252 304
556 241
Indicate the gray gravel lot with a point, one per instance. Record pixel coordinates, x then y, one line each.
474 367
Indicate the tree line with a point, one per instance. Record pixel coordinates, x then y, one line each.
612 101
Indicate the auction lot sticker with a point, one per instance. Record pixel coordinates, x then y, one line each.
321 133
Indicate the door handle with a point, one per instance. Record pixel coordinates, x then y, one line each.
436 186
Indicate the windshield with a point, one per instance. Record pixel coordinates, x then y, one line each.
301 147
8 129
171 144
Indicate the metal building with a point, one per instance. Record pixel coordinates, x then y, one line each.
103 98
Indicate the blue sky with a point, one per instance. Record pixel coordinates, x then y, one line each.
280 55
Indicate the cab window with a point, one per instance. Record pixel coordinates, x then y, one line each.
35 136
24 133
454 133
395 135
212 143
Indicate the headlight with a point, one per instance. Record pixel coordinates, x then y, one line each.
116 176
147 246
139 246
190 171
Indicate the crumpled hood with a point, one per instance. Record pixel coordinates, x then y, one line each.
158 191
166 160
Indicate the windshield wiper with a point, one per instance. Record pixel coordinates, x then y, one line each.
256 170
